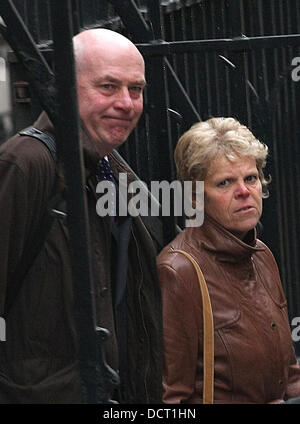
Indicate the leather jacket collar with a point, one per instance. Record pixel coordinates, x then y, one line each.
215 238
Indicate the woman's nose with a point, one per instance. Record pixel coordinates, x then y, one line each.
242 190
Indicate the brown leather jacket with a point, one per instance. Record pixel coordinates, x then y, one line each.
38 361
254 355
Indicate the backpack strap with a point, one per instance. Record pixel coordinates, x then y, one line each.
48 140
35 244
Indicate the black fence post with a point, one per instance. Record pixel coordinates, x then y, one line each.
159 125
96 377
239 101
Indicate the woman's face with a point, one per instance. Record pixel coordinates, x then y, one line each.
233 193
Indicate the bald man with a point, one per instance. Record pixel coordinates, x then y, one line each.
38 360
110 78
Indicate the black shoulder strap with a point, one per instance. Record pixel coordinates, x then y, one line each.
35 244
43 137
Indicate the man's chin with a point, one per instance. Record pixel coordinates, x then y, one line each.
118 137
107 146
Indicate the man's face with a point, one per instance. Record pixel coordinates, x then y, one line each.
233 193
110 95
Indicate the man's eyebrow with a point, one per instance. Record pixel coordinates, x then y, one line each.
109 78
141 82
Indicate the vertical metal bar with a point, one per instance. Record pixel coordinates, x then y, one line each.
161 152
227 91
133 19
195 65
281 155
41 76
155 13
22 8
215 63
239 105
172 36
76 16
32 23
291 238
206 82
245 64
68 142
276 134
69 146
43 22
157 33
103 11
178 35
184 36
87 11
296 176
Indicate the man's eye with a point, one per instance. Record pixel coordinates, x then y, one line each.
107 86
136 90
139 89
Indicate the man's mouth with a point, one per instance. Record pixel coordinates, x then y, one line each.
118 119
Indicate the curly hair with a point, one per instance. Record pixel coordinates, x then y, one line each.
198 146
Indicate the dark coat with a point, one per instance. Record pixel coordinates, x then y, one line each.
254 356
38 360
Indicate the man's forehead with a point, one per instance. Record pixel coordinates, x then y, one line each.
120 79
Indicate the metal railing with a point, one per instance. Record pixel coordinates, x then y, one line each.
206 58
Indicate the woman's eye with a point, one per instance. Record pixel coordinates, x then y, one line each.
223 183
251 178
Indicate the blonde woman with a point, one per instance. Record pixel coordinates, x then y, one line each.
253 352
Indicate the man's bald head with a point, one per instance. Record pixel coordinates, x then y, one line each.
110 83
95 41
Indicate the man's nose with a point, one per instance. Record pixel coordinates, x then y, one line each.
124 100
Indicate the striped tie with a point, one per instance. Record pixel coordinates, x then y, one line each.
105 173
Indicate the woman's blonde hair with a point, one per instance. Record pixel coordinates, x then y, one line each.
198 146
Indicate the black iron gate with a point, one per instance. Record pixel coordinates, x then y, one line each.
204 58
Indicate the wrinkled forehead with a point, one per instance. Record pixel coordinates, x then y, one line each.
225 164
